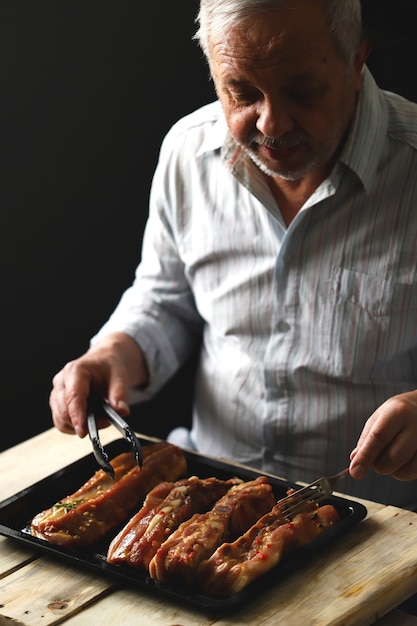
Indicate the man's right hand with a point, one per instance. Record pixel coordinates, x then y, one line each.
110 368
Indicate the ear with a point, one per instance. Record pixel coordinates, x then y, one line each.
361 56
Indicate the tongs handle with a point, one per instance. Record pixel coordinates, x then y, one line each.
100 407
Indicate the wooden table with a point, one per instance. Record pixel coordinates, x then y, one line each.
360 580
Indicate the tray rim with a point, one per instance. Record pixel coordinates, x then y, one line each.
94 561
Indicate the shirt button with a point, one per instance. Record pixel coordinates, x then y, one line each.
275 393
280 391
283 327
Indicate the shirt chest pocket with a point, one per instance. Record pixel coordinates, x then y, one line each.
370 321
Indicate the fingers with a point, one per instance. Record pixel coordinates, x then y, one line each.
398 459
68 398
376 436
117 395
388 442
105 369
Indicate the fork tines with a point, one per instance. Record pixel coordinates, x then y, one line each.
303 499
307 497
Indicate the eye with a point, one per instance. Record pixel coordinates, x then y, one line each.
305 94
244 99
300 96
243 95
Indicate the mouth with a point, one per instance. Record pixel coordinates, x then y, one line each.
277 153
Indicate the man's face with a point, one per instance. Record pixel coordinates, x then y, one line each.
287 95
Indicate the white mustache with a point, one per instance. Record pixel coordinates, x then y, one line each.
278 142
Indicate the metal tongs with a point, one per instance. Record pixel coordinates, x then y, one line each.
99 407
305 497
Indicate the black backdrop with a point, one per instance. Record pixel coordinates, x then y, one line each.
89 88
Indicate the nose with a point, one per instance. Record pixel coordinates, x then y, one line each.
273 119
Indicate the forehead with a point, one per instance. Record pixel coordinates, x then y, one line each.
286 39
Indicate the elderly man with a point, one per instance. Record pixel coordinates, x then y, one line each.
282 240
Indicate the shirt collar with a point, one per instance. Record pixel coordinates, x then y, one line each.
364 144
218 133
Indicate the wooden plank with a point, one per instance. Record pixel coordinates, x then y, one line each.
131 607
42 594
42 455
12 556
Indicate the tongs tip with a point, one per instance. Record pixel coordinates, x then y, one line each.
97 406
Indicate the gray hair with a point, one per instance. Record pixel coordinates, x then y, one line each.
216 16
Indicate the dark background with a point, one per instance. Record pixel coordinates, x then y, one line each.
88 89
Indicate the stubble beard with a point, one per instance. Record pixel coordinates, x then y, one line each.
316 158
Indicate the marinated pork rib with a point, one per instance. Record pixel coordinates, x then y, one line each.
165 507
234 565
102 503
196 539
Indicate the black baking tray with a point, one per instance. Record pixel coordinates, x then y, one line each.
17 512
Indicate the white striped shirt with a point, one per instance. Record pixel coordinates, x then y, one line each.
307 329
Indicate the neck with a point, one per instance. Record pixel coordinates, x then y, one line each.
291 195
